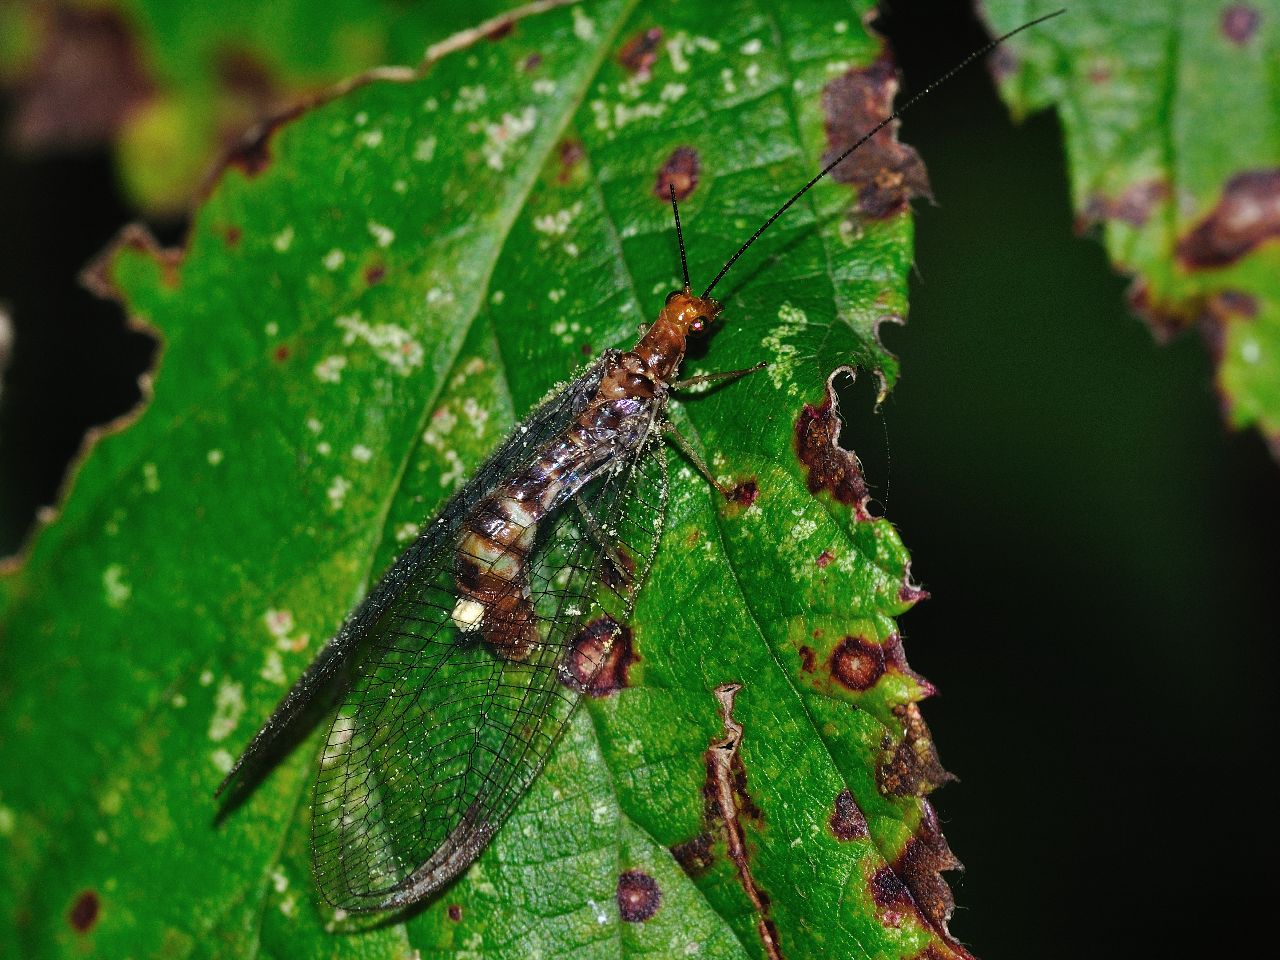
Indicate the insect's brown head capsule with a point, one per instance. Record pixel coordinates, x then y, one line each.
663 346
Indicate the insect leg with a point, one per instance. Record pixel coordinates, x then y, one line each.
712 377
679 439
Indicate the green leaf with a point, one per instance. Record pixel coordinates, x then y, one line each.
1166 111
409 267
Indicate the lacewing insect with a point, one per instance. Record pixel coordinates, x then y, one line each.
457 673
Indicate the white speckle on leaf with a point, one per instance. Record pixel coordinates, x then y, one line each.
556 295
279 881
476 415
601 915
752 47
470 99
452 476
1250 351
726 80
497 297
228 707
390 342
439 295
782 354
544 87
7 820
222 760
672 92
206 678
584 28
214 457
500 136
271 329
324 448
400 186
334 259
329 370
314 425
383 236
361 118
337 492
424 150
371 138
178 701
273 669
841 26
406 532
430 105
557 224
361 454
114 586
150 478
752 73
283 240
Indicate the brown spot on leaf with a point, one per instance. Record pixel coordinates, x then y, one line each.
532 62
857 662
807 660
281 353
232 236
455 912
888 890
694 855
374 274
913 768
571 154
640 53
84 912
1246 216
745 493
1133 206
84 81
824 559
252 152
831 467
847 820
639 896
600 658
679 170
244 75
886 173
1239 23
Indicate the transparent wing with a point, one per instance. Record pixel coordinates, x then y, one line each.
440 735
324 680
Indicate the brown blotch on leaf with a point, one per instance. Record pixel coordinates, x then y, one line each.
1133 206
888 890
1239 23
600 657
455 912
374 274
1164 318
84 82
639 896
831 467
640 53
857 662
679 170
912 768
886 173
84 912
694 855
848 822
571 154
281 353
923 860
1246 216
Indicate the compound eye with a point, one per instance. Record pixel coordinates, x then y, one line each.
698 324
672 295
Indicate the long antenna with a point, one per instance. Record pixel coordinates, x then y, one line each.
865 137
684 264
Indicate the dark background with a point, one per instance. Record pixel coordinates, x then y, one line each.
1099 548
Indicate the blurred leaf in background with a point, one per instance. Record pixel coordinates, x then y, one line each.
1169 112
368 299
